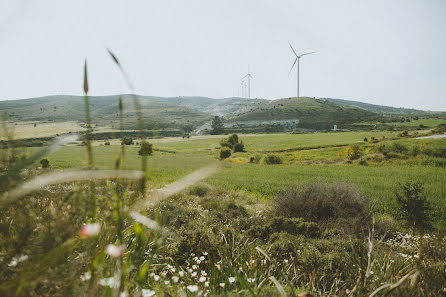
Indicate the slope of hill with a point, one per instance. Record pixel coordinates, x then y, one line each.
376 108
311 113
104 111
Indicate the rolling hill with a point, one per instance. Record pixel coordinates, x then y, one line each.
180 112
311 113
376 108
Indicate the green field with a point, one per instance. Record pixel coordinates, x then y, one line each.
301 154
236 203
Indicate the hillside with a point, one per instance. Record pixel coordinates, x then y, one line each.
104 111
181 112
382 109
311 113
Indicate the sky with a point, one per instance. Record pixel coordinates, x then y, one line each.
377 51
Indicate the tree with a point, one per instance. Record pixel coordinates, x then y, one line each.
45 163
126 140
413 205
217 126
146 149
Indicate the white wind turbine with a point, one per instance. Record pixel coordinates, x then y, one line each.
249 77
298 64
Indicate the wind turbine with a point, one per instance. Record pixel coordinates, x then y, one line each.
298 64
249 77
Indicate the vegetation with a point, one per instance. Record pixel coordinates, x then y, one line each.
225 153
233 143
217 126
294 229
146 148
45 163
127 141
272 159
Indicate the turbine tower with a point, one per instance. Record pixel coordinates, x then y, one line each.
249 77
298 64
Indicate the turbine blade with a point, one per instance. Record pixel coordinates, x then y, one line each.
292 49
307 53
292 66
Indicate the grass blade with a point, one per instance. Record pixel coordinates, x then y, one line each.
65 177
278 286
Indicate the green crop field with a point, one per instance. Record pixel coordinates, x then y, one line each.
377 181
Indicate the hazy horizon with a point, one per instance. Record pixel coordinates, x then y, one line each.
370 51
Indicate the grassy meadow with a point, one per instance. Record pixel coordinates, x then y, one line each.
298 228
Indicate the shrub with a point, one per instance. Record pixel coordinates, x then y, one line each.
321 201
440 129
146 149
225 143
403 134
363 162
239 147
263 228
365 139
272 159
256 158
225 153
107 142
399 148
127 140
354 151
373 139
199 190
233 139
413 205
45 163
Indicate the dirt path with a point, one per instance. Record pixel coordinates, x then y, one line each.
154 196
432 137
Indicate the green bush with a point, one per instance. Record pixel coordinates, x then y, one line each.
199 190
225 143
45 163
225 153
127 140
354 151
146 149
413 205
239 147
107 142
321 201
233 139
272 159
256 158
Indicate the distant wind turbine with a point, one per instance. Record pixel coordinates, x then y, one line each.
298 64
249 77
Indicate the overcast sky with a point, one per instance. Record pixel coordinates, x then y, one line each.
377 51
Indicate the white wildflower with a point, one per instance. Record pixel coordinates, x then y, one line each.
86 276
222 285
231 279
148 293
202 279
114 251
192 288
89 230
175 279
181 273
